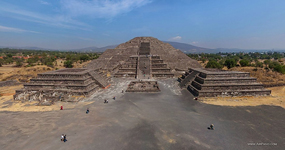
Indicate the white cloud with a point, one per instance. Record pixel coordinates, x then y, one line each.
100 8
10 29
58 20
194 42
44 2
176 38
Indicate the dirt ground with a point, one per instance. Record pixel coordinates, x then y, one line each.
276 99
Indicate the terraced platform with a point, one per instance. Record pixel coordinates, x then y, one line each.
55 85
210 83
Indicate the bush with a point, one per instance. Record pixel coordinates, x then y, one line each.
259 64
19 63
84 57
214 64
49 64
244 62
230 63
68 64
280 69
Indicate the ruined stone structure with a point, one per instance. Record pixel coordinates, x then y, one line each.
211 82
140 58
144 57
55 85
143 86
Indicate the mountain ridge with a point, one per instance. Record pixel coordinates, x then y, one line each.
184 47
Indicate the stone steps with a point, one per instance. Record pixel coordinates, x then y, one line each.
189 78
73 92
162 75
100 80
160 69
229 92
225 80
59 79
216 82
233 86
51 84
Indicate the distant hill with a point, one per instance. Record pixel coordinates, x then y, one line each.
187 48
26 47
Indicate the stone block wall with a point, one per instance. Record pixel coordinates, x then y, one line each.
209 83
64 82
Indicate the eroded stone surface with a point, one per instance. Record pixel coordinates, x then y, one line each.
143 86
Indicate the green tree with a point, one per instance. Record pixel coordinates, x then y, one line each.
244 62
9 55
31 61
230 63
259 64
84 57
214 64
19 62
1 62
266 62
68 64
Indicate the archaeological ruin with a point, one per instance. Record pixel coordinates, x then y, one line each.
211 82
142 60
60 84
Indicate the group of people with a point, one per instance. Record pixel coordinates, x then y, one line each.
114 98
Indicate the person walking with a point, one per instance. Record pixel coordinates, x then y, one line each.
212 126
64 138
87 111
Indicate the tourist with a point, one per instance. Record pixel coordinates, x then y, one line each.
114 98
87 111
61 107
212 126
64 138
61 138
122 91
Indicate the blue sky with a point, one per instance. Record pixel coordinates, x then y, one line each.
68 24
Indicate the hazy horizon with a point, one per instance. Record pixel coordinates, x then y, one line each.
72 24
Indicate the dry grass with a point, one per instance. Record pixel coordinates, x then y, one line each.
24 74
263 76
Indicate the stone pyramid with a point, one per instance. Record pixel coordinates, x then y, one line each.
112 59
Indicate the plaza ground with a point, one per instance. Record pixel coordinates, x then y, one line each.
170 119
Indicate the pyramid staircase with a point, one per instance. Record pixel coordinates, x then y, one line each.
129 68
159 68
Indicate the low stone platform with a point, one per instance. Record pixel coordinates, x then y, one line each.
61 84
213 82
143 86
